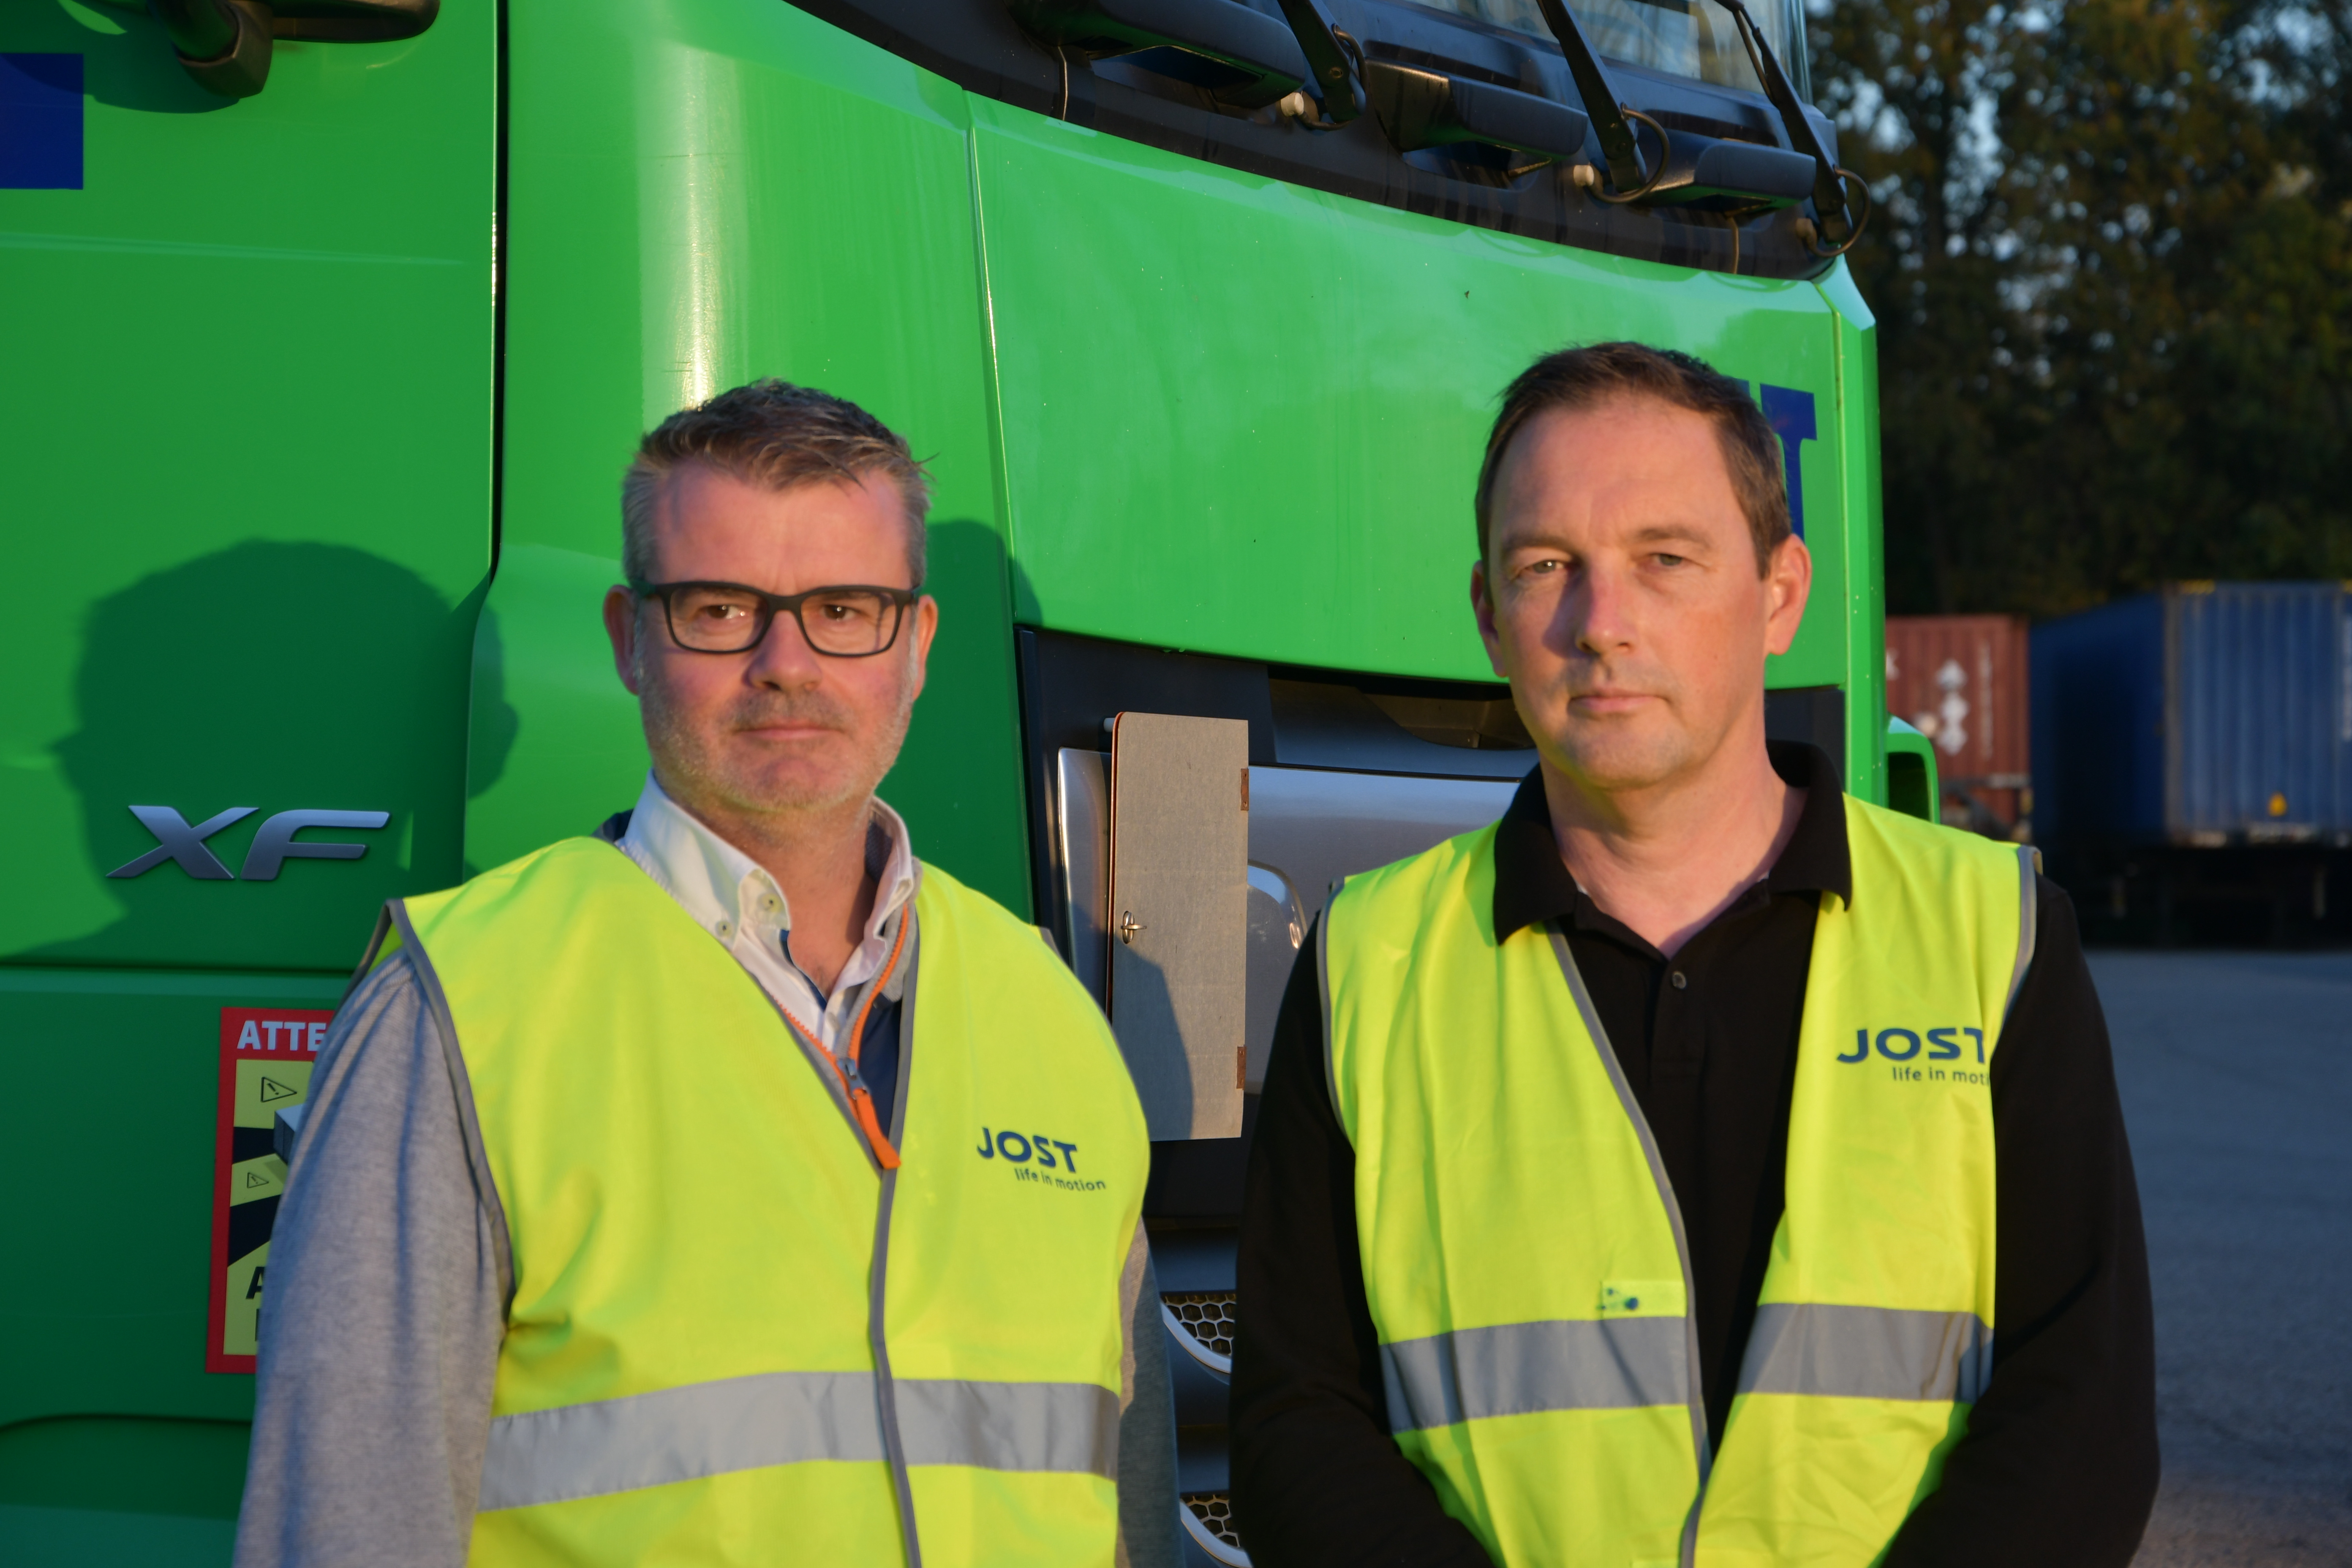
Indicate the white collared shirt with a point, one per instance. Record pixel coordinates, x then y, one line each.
733 897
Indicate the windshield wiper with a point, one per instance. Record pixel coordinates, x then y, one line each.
1839 226
1326 49
1619 143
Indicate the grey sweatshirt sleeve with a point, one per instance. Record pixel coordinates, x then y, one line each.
383 1308
1147 1423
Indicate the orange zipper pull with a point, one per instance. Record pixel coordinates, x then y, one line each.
861 1100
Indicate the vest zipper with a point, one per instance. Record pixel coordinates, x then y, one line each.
861 1100
894 1445
861 1105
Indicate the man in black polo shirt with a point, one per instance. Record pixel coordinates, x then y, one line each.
1405 1389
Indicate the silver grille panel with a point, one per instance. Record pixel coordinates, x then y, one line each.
1207 1316
1208 1519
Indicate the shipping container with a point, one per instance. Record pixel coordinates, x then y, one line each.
1960 680
2210 713
2193 747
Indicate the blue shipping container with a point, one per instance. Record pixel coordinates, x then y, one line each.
2210 713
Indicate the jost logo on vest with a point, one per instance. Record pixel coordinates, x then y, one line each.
1017 1149
1901 1049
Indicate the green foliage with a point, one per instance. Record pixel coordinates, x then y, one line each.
2113 267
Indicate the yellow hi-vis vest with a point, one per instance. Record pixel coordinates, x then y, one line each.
733 1338
1524 1255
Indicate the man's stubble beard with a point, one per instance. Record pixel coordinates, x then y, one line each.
693 768
1611 754
1620 761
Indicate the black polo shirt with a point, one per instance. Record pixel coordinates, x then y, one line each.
2060 1464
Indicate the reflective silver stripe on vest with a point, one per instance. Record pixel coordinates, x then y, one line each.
789 1417
1866 1353
1010 1425
2028 860
1521 1369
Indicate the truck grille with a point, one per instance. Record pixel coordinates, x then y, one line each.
1214 1513
1209 1317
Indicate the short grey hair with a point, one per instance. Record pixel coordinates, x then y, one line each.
776 435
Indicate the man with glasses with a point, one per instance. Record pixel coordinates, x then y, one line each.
647 1208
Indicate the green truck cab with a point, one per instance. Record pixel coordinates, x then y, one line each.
325 351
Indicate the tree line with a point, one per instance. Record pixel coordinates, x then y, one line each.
2111 258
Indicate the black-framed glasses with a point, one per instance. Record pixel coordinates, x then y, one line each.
855 620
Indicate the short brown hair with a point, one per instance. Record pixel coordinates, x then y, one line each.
1579 378
777 436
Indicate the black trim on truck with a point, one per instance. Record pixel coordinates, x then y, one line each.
1730 195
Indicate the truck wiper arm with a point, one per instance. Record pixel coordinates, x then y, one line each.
1327 56
1840 225
1619 144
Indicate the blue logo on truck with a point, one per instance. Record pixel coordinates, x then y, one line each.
40 122
1790 414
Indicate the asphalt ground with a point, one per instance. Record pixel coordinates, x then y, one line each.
2236 1074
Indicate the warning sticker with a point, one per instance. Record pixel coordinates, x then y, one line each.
266 1056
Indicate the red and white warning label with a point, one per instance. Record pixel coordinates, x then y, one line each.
265 1057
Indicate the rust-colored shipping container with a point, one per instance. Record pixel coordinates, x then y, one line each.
1960 680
